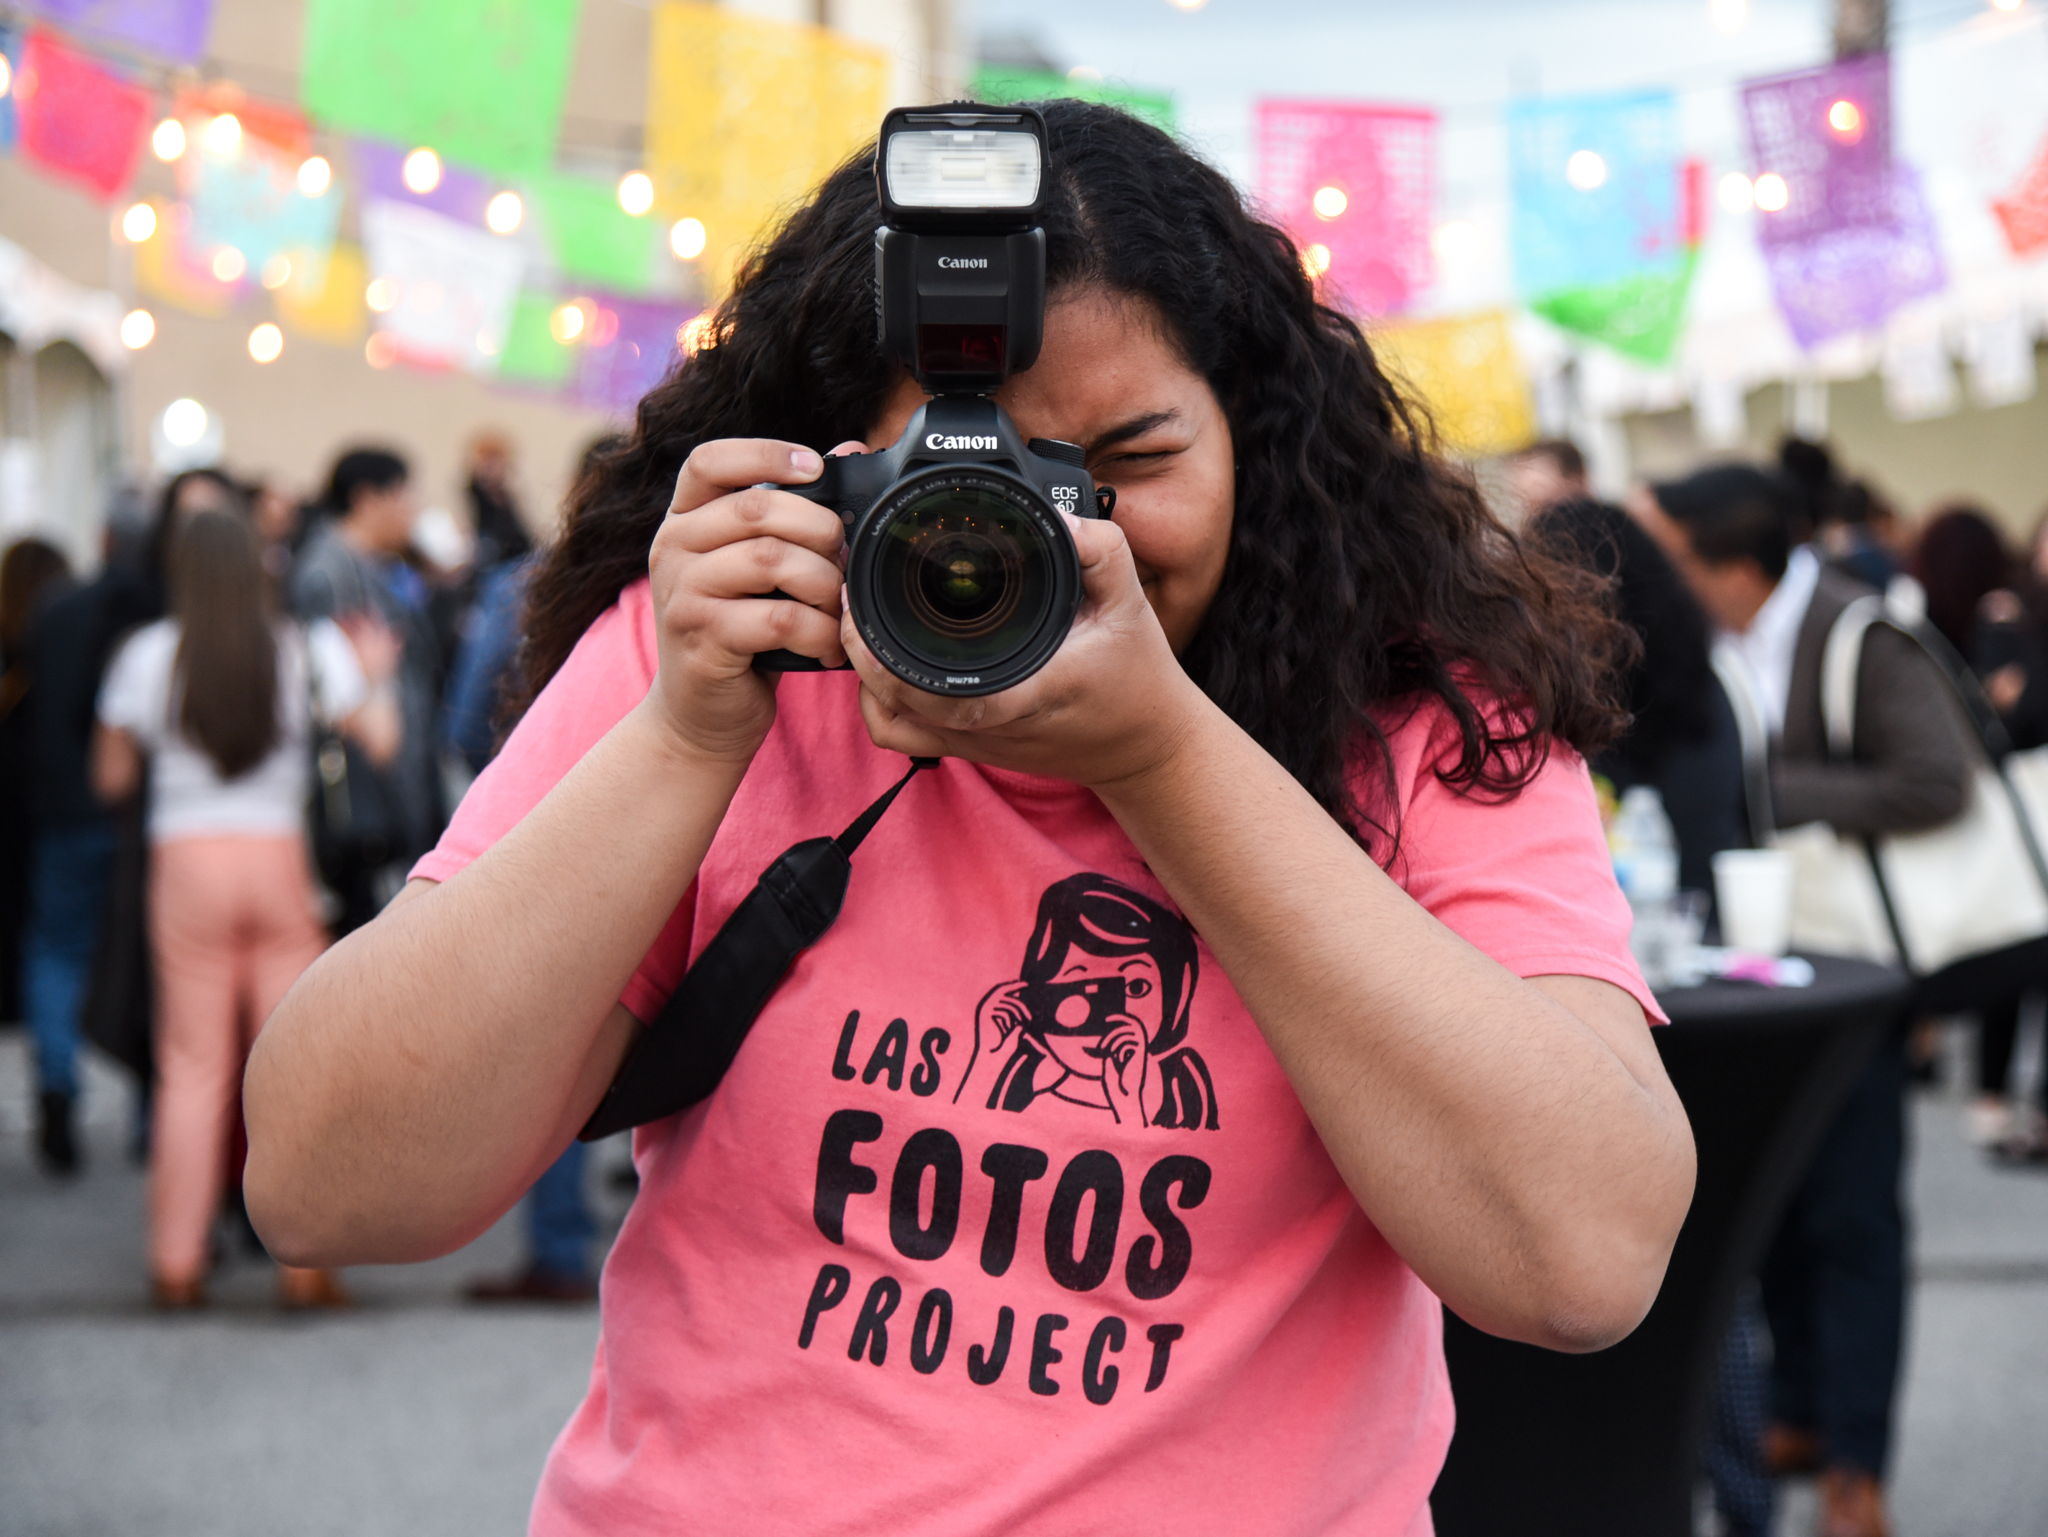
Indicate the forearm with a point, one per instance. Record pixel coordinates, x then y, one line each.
1860 798
1531 1173
420 1074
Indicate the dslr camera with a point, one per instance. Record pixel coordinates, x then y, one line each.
961 574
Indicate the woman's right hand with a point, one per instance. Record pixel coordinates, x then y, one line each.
727 543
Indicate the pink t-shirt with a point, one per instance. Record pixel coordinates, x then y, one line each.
909 1272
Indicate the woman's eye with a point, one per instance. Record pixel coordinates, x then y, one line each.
1138 987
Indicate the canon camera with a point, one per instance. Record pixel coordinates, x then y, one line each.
961 574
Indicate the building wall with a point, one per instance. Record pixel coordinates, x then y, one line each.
1995 458
286 419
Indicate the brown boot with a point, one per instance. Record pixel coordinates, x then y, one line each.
1852 1504
168 1296
303 1290
1790 1452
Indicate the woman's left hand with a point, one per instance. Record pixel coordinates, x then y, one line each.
1113 702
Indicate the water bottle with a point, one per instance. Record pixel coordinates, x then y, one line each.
1646 866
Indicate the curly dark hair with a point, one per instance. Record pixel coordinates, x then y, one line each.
1364 571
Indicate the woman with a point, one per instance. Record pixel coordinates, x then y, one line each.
30 571
1963 564
219 696
851 1297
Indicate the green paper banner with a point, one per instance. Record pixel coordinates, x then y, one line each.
999 86
593 239
1639 317
532 355
479 81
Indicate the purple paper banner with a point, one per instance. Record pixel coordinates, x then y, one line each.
632 345
174 29
461 195
1853 278
1828 132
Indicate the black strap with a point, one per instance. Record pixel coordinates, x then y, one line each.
685 1050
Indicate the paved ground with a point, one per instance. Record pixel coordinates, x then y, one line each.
415 1415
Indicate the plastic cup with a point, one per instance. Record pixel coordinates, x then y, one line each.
1753 891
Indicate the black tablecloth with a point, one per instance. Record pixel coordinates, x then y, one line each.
1608 1445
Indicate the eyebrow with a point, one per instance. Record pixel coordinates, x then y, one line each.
1136 427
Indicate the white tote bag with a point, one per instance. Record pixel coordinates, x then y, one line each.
1923 900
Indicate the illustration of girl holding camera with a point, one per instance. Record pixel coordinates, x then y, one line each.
1098 1013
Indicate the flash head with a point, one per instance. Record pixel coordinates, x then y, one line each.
940 166
960 257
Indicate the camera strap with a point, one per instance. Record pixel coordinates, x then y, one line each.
681 1054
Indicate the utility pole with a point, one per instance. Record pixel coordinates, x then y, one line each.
1861 26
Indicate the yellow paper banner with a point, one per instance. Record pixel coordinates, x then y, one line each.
167 271
746 115
1464 370
326 304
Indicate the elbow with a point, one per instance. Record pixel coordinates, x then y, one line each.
1598 1282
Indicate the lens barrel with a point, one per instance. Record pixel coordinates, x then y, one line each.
963 580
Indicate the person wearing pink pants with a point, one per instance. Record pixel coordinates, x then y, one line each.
217 703
233 920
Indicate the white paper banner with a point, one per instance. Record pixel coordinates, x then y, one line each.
1919 375
1998 353
452 287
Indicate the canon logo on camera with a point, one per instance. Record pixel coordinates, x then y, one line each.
959 263
938 440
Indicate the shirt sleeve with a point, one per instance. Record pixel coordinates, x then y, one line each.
1527 880
342 686
605 676
135 695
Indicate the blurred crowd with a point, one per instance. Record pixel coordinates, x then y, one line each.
220 752
1734 578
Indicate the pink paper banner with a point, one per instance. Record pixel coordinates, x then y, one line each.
2023 212
1380 164
1828 133
174 29
1852 278
76 119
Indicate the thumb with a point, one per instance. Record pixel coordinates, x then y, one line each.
1107 570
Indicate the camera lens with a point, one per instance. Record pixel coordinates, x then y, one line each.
965 575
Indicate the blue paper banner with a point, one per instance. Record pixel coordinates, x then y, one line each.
251 200
1595 182
10 51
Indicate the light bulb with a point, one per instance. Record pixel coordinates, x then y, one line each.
568 322
229 265
167 140
266 342
277 272
694 335
421 172
223 135
315 176
138 223
184 422
686 238
1330 202
1728 16
1315 261
138 330
1586 170
1771 192
6 77
380 351
636 192
504 213
1736 192
1845 121
381 296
